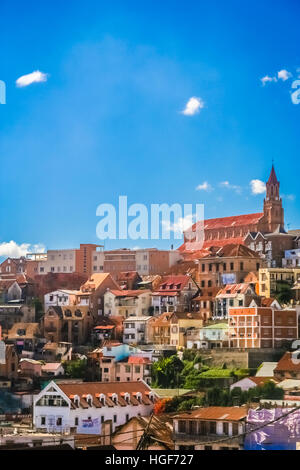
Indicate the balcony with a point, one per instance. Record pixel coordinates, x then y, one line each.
50 329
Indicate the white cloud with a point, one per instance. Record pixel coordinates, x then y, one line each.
205 186
34 77
13 250
193 106
289 197
257 187
182 224
284 75
267 79
234 187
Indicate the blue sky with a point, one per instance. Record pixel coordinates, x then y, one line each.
108 120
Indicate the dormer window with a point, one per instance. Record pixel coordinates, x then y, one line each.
139 397
115 398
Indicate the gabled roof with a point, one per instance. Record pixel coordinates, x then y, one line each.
95 389
95 281
287 363
231 221
172 283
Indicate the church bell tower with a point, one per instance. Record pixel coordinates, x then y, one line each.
273 210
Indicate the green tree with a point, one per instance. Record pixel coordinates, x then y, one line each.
75 369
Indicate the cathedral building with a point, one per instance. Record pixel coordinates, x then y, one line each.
263 232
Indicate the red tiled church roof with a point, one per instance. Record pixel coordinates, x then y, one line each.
231 222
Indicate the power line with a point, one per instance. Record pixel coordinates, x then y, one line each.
244 434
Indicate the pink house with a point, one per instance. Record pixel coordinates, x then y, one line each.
30 367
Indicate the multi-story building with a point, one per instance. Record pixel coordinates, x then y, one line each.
12 313
160 329
261 327
291 259
13 266
208 337
201 429
127 303
271 278
233 295
121 363
93 290
60 298
226 265
174 294
72 324
84 407
146 261
136 330
180 324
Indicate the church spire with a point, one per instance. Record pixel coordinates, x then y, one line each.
273 178
273 211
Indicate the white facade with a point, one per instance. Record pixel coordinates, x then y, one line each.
291 259
136 330
58 261
60 298
245 384
98 261
55 411
132 305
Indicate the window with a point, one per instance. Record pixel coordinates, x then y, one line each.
127 418
115 418
225 428
76 421
232 266
59 421
212 427
182 426
43 420
242 266
235 429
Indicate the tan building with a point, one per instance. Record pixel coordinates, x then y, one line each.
127 303
180 324
70 324
270 278
288 367
93 290
8 366
201 429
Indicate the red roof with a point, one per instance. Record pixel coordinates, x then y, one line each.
222 413
288 363
233 289
232 221
172 284
105 327
138 360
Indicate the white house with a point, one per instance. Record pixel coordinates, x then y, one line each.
60 298
250 382
136 330
53 368
84 407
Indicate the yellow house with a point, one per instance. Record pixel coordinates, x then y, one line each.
269 278
180 323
